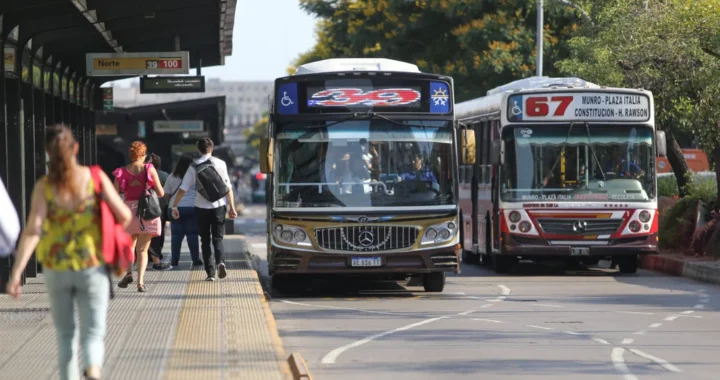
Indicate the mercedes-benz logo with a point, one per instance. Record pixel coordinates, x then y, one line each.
579 226
363 219
366 238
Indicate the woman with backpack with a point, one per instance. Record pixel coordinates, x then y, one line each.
186 225
132 181
63 228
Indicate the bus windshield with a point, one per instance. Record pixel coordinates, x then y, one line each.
364 163
578 162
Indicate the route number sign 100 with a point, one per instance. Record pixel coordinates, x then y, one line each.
538 106
164 64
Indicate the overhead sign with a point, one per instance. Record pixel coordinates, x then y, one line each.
162 126
163 85
582 106
131 64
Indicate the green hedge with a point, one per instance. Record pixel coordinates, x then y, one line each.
676 224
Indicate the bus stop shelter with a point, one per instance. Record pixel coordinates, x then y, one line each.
44 72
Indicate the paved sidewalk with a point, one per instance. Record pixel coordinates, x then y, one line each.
182 328
697 268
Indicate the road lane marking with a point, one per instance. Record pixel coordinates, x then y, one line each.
259 245
704 295
333 355
546 305
467 312
699 306
601 341
487 320
539 327
662 362
672 317
634 312
573 333
628 341
705 300
504 289
641 332
687 312
619 363
655 325
487 305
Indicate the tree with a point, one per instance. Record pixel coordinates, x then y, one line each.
481 44
257 131
662 46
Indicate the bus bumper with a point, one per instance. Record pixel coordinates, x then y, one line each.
445 259
526 247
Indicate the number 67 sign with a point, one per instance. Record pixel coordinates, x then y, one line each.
580 106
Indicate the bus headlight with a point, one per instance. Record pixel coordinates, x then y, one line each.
525 226
290 235
440 233
634 226
644 216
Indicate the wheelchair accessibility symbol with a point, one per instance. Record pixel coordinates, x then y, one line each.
516 109
285 100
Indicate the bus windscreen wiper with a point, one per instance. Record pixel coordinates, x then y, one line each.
587 171
562 150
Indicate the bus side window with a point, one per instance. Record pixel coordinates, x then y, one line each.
482 154
486 154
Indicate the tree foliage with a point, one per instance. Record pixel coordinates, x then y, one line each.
665 46
257 131
481 44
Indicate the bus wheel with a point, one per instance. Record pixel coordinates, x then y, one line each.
502 264
628 264
434 282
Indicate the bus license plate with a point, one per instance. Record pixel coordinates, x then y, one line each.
580 251
366 262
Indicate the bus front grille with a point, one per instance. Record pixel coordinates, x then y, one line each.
366 238
567 226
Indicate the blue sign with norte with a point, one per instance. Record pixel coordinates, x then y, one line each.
287 99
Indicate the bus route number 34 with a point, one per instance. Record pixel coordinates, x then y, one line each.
539 106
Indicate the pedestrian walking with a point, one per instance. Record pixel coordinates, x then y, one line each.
133 181
187 224
214 193
158 242
63 228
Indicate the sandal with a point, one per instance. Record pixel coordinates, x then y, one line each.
141 288
127 280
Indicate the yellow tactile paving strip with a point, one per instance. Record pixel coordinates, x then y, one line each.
225 329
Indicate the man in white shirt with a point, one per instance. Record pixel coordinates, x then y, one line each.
211 215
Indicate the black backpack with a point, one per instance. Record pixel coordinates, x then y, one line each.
148 206
209 183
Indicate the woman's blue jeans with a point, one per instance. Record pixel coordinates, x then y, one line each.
185 226
90 288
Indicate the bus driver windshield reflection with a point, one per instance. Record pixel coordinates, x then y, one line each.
374 163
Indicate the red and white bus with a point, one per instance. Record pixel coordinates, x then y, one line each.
564 170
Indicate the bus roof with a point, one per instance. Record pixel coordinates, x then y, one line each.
542 82
356 64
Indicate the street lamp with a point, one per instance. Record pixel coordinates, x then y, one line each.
541 29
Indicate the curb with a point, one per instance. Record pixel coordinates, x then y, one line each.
298 367
705 271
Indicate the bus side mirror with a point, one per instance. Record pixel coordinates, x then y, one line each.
267 147
467 142
497 152
661 143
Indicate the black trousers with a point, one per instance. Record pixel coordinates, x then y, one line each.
157 243
211 228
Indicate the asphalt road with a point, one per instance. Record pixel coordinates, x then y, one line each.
537 323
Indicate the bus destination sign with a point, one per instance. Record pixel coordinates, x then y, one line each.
132 64
579 106
171 84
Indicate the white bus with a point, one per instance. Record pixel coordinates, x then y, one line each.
565 170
